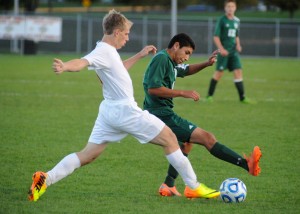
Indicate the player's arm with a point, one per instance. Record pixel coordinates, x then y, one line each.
219 45
238 44
128 63
195 68
73 65
171 93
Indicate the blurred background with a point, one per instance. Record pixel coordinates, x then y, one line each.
269 28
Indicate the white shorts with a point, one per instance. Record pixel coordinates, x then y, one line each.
117 119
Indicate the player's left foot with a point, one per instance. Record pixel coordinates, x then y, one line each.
201 192
38 186
253 161
209 99
165 190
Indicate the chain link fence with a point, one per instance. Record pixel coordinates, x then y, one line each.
267 38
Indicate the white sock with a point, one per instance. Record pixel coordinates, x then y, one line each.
238 80
184 168
64 168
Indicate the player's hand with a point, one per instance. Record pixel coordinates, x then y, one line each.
239 48
58 66
213 58
223 52
147 50
191 94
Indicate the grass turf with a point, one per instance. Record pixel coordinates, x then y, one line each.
46 116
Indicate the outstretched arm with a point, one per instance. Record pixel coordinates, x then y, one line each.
128 63
195 68
73 65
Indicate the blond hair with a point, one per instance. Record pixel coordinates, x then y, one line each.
114 20
229 1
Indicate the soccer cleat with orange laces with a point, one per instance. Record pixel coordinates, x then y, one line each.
164 190
38 186
201 191
253 161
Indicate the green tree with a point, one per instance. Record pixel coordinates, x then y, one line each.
29 5
285 5
219 4
163 3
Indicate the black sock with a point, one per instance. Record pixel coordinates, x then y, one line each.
222 152
212 87
240 88
172 175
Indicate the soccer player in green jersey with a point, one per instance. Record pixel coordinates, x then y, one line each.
159 81
226 38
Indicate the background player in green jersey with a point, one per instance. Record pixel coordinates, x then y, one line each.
226 38
159 81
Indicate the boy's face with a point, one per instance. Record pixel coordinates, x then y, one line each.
230 8
122 36
182 54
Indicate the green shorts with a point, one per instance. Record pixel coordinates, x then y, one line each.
181 127
230 62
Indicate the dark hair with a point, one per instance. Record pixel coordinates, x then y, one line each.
184 41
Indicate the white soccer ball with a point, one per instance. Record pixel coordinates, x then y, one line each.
233 190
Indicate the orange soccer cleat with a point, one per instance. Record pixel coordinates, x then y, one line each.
38 186
164 190
253 161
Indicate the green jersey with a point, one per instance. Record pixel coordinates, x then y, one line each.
161 72
227 30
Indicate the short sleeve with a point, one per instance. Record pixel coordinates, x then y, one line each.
98 59
182 69
218 28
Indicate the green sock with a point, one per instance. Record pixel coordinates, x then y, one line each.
172 175
224 153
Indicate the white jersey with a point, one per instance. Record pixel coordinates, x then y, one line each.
106 61
118 114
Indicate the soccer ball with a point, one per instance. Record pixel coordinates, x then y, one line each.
233 190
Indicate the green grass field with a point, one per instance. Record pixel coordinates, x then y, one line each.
44 117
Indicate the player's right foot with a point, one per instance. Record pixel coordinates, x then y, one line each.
164 190
201 192
38 186
209 99
253 161
248 101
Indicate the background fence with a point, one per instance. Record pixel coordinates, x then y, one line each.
270 38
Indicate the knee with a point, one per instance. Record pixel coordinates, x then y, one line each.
238 74
210 140
171 140
218 75
86 157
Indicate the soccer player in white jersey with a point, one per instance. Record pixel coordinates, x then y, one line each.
118 114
